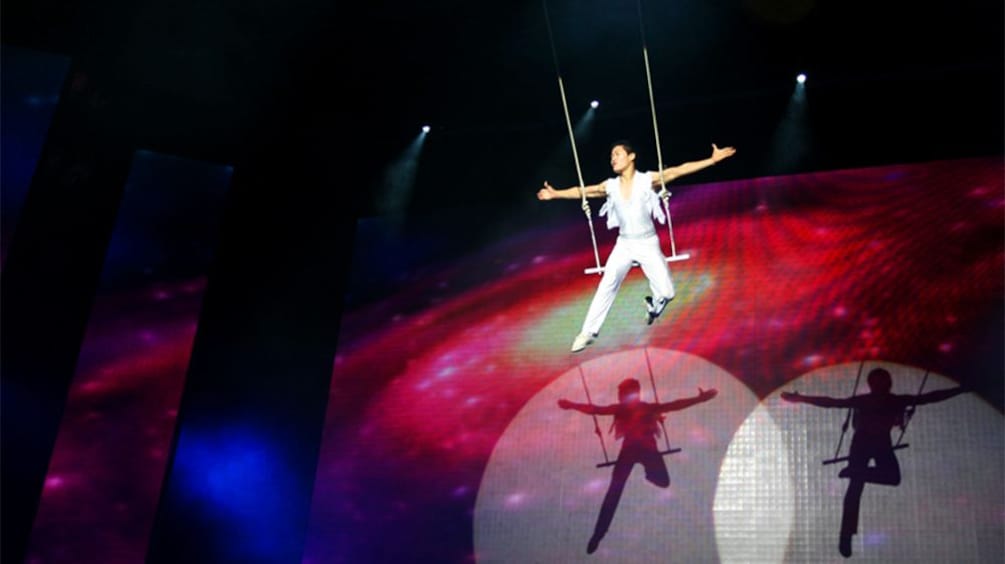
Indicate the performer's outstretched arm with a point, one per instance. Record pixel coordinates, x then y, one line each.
588 409
932 397
676 405
675 172
549 192
819 401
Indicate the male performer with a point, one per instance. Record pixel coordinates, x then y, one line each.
631 205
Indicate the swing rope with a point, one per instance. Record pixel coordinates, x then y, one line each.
909 413
656 399
652 99
664 194
585 205
596 423
847 420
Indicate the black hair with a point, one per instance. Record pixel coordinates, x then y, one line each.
879 380
629 148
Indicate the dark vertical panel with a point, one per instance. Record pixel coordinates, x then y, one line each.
239 484
31 83
49 280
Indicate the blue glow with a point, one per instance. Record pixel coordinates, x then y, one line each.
237 483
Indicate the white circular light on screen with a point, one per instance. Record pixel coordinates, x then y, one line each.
947 507
541 491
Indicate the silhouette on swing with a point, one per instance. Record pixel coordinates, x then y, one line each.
873 416
638 424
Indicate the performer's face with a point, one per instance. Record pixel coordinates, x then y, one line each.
620 158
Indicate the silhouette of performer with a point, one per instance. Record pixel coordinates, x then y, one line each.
637 422
874 415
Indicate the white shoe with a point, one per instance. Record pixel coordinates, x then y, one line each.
582 341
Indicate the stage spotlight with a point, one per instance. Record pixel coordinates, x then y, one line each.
399 182
594 104
790 147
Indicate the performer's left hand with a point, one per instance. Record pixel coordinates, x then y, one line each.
721 154
707 394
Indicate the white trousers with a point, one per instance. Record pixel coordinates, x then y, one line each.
647 253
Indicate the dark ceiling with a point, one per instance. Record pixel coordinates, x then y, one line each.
352 82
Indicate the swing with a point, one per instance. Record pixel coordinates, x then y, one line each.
908 414
596 425
585 205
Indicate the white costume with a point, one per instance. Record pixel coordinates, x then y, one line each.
637 242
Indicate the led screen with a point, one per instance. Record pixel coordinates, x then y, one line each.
445 441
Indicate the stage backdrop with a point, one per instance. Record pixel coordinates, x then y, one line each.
444 441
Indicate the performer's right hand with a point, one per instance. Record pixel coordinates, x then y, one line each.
546 193
564 404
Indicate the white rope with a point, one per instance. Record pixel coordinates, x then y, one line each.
579 174
652 106
585 205
664 194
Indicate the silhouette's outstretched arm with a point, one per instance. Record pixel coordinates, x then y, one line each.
819 401
588 408
937 395
676 405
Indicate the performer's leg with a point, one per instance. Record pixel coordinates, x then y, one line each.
858 461
622 469
654 266
656 468
617 267
887 469
849 516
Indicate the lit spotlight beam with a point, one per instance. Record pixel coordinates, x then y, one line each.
584 127
399 180
791 141
558 167
559 163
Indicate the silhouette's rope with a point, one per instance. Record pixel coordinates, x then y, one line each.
909 412
656 397
847 419
596 423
